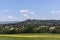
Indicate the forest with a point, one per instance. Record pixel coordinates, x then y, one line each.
31 26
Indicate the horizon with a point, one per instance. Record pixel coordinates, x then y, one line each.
20 10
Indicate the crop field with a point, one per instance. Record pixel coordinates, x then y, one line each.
30 36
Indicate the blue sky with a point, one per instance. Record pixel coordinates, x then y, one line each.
19 10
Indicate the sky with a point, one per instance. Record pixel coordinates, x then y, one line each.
19 10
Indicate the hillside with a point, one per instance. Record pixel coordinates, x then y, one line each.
31 26
40 22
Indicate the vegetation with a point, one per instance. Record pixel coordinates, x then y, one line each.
31 26
30 36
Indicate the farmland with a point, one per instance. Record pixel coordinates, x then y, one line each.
30 36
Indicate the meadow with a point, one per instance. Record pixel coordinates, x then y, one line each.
30 36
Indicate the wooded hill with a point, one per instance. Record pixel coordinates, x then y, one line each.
31 26
41 22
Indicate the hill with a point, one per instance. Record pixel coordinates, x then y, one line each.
40 22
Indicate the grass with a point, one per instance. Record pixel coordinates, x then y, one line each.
29 36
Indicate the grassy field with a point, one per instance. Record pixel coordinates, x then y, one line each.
33 36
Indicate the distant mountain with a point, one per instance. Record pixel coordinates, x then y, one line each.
8 22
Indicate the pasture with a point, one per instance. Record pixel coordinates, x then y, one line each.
30 36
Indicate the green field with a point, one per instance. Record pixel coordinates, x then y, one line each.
33 36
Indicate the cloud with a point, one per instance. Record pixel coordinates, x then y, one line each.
32 12
25 15
55 12
24 11
28 14
9 17
6 11
52 12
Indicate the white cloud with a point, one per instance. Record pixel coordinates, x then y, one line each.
24 11
52 12
9 17
27 11
7 11
25 15
57 11
32 12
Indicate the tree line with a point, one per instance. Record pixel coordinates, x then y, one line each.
31 26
